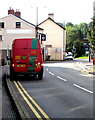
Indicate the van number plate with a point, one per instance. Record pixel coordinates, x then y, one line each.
21 65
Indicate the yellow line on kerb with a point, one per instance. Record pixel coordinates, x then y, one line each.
27 101
32 100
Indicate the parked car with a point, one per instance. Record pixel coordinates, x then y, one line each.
69 56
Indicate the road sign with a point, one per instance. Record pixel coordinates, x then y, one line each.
43 37
87 52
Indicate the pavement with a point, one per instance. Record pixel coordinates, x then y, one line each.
86 66
7 109
82 65
0 93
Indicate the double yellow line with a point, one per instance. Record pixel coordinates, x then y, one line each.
22 91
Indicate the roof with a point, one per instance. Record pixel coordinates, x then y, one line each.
54 22
24 21
31 24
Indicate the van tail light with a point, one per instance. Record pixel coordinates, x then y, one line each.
42 64
13 65
39 65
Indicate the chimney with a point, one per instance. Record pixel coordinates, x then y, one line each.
11 11
51 15
17 13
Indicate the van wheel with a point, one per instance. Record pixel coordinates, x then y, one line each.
40 75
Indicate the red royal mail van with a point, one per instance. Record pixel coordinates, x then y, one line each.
26 58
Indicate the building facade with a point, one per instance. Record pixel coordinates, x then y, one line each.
55 43
11 27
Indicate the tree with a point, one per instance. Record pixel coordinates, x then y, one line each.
71 36
91 33
83 27
69 24
74 37
79 48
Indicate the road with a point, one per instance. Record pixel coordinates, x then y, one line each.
64 92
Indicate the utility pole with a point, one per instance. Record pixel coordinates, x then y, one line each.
36 28
36 22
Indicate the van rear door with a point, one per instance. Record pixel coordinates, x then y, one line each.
34 53
20 55
27 55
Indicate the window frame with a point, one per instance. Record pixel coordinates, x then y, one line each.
18 24
0 37
2 24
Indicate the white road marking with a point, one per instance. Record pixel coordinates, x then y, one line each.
51 73
47 69
83 88
86 75
61 78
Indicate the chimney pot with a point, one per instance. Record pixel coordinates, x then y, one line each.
17 13
51 15
11 11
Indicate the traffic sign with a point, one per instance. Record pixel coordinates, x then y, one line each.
43 37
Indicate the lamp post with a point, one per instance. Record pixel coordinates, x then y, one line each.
89 51
37 15
36 22
36 27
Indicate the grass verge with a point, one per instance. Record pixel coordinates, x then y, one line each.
83 57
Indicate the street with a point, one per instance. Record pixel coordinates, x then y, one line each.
47 60
64 92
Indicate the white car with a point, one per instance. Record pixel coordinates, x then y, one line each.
69 57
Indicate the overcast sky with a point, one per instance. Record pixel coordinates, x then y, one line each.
75 11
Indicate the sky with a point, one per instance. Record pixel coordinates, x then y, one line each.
75 11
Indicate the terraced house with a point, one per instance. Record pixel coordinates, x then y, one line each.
56 38
13 26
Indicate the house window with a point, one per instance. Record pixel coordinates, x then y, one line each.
18 24
1 24
0 37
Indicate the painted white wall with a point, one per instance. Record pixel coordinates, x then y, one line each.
10 32
56 36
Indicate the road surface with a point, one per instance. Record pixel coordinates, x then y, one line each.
64 92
